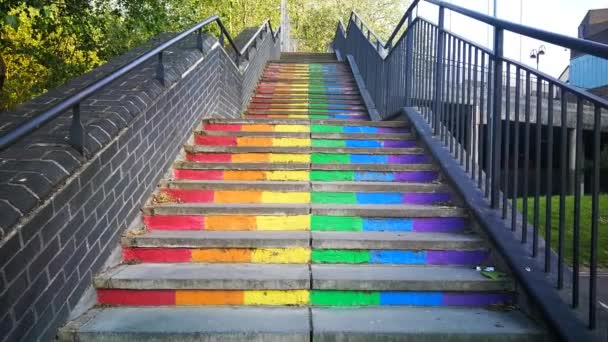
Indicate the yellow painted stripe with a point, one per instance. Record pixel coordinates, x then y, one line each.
281 255
276 297
292 128
290 142
287 175
285 197
295 222
289 158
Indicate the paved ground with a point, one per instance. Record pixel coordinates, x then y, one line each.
602 297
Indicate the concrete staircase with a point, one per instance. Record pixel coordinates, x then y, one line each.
303 221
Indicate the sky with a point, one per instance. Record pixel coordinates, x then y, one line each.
559 16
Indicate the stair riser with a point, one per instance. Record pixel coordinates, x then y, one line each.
254 196
326 176
299 142
303 222
304 128
120 297
306 158
311 117
302 256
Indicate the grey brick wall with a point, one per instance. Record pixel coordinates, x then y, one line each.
62 214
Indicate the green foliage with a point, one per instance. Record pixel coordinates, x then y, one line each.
43 44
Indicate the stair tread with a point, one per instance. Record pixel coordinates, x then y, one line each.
306 150
205 276
311 121
305 166
403 277
234 239
423 324
192 323
397 240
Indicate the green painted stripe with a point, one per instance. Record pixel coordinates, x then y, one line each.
336 223
334 197
325 129
328 143
339 256
322 158
327 176
344 298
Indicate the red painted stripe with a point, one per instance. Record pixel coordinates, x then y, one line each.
209 157
157 254
135 297
190 195
199 174
215 140
174 222
222 127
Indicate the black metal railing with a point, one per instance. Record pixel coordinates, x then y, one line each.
521 135
77 131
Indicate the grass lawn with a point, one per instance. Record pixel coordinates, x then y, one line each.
585 226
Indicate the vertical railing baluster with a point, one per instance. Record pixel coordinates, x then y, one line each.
490 134
452 91
562 190
77 132
461 107
160 69
469 111
516 139
475 115
576 233
525 175
457 99
549 179
481 132
439 67
595 216
537 162
507 145
497 109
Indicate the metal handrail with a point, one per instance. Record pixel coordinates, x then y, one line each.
77 134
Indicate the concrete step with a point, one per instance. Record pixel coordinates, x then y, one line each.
273 121
428 324
315 158
397 241
356 136
188 324
218 239
182 276
302 186
404 278
356 210
302 150
304 166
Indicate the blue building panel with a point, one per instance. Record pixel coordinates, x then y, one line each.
588 72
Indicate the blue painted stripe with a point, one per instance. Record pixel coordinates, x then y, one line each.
397 257
379 198
363 143
368 159
410 298
388 224
374 176
355 129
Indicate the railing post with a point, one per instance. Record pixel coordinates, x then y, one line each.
409 54
160 69
77 138
439 72
497 116
199 39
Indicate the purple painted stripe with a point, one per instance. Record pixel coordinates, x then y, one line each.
425 198
456 257
408 159
440 224
475 299
416 176
399 143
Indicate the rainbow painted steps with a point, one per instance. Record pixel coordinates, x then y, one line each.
291 214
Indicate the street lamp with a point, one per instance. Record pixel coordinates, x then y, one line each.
537 53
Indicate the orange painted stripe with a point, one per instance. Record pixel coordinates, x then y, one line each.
209 297
237 196
257 128
250 158
253 141
221 255
244 175
230 222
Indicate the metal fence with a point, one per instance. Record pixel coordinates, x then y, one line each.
511 128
